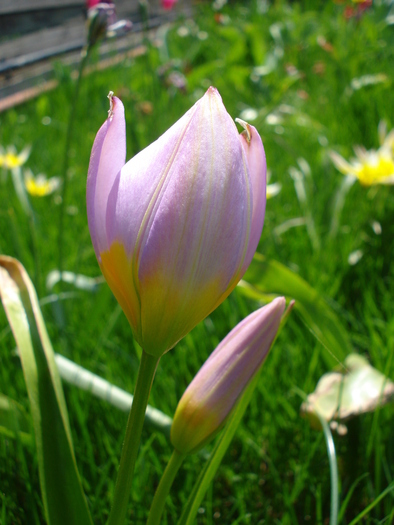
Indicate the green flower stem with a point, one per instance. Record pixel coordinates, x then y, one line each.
332 459
70 124
131 443
164 487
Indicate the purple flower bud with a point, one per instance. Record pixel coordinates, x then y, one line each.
102 21
212 394
175 228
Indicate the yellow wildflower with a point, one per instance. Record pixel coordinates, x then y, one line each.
40 186
369 166
10 159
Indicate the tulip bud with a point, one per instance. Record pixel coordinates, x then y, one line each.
100 16
102 21
210 397
175 228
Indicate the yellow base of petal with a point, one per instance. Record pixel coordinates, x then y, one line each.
161 310
117 269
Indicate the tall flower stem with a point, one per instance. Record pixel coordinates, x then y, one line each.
164 487
332 459
70 124
131 443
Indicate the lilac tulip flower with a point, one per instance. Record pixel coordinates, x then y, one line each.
212 394
175 228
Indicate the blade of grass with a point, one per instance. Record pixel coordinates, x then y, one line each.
62 493
363 513
349 495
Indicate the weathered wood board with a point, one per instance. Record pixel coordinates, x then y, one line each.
34 32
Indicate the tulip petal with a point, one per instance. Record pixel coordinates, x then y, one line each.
257 164
136 191
118 272
107 158
192 254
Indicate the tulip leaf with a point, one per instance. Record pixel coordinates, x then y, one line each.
265 277
207 474
62 493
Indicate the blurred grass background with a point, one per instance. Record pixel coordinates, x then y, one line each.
310 79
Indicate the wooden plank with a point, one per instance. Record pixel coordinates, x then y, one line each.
36 73
21 22
72 33
14 98
8 7
51 41
15 6
25 64
26 22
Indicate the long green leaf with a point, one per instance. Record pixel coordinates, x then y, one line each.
63 497
271 277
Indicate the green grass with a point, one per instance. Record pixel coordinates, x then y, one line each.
276 470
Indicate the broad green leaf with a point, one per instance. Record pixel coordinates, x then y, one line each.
62 493
14 422
265 277
207 474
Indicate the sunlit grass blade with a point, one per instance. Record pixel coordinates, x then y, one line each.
20 190
300 178
271 277
207 474
339 203
63 497
363 513
349 495
81 282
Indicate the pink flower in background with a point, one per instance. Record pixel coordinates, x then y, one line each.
357 12
92 3
175 228
168 4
